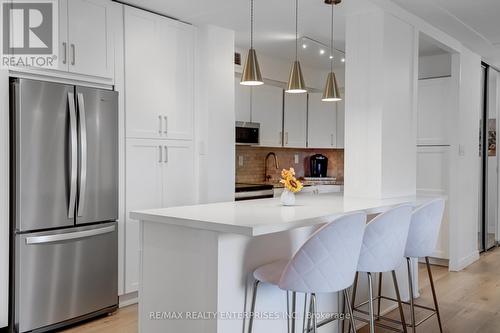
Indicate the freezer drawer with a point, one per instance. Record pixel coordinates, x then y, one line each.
65 274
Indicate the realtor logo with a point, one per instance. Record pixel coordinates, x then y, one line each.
29 33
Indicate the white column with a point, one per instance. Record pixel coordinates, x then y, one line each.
380 121
215 113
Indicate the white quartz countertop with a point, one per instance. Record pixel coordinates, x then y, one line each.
265 216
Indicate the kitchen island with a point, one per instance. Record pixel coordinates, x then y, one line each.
196 261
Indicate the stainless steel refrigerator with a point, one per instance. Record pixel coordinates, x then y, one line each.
64 204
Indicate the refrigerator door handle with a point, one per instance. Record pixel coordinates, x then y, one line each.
83 152
68 236
74 155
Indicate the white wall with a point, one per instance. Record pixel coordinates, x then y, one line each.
434 66
464 185
380 126
215 114
4 197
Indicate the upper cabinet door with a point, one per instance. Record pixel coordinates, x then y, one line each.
144 117
158 76
175 75
295 118
322 122
267 109
433 111
63 57
90 47
242 96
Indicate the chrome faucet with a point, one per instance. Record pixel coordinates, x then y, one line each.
266 176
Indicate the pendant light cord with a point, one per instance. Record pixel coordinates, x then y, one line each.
331 44
296 29
251 24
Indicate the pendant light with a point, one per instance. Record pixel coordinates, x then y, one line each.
251 72
296 83
331 92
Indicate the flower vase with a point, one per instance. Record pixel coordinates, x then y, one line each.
287 198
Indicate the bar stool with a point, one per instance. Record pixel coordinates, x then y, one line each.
383 251
422 238
325 263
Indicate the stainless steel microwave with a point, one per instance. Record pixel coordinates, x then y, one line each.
247 133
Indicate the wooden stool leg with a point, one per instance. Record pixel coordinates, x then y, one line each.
398 297
434 293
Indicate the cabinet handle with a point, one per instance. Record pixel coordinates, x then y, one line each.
166 154
73 60
281 138
159 125
166 124
65 54
331 139
159 150
286 138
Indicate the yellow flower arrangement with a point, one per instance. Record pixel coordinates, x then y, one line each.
289 181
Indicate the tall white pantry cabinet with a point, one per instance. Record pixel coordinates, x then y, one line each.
159 117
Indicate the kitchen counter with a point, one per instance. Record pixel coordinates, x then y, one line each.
264 216
199 259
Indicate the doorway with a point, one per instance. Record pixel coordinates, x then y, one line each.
488 217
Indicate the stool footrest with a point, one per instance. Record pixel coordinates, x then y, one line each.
387 327
395 321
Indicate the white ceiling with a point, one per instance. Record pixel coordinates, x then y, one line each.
427 47
473 22
274 33
476 23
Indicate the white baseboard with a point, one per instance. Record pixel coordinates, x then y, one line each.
436 261
464 262
128 299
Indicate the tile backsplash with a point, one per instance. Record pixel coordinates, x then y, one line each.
253 159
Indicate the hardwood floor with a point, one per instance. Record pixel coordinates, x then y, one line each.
469 302
122 321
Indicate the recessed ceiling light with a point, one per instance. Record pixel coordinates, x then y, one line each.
304 46
331 57
343 59
321 51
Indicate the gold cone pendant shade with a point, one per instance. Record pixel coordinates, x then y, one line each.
331 92
296 83
251 72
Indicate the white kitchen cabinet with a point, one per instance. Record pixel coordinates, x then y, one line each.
295 119
144 189
159 76
434 111
159 173
242 101
321 123
89 44
267 109
85 50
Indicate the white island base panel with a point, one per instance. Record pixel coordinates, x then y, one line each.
195 280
